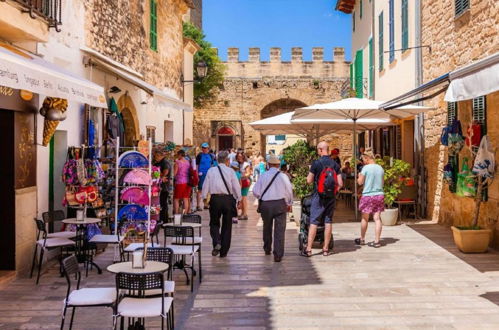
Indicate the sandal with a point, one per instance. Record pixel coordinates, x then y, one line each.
306 253
359 241
376 245
326 253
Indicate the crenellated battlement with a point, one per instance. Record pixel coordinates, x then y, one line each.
254 67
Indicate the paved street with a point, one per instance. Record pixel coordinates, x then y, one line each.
418 280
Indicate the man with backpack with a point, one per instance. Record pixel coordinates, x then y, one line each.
326 177
204 161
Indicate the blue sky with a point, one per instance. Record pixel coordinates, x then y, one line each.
276 23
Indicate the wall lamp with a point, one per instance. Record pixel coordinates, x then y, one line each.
201 70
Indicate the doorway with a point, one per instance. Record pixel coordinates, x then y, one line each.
225 137
58 153
130 129
168 131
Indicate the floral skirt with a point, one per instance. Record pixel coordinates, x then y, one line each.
372 204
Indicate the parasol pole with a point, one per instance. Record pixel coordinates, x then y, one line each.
149 193
116 191
355 168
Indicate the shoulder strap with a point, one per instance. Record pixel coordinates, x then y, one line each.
225 183
268 186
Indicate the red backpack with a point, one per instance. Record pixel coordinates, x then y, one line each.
193 177
327 186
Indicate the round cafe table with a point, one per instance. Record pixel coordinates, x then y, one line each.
80 249
126 267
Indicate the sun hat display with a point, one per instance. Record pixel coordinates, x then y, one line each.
137 176
133 159
132 212
135 195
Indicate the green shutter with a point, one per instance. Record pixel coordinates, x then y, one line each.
454 158
405 24
460 6
371 68
153 28
352 80
359 86
360 14
391 30
380 41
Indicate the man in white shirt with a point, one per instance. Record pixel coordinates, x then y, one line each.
223 186
275 193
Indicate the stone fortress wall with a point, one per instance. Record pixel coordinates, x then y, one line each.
257 89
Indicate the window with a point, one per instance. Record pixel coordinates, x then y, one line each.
380 41
280 137
460 6
371 68
480 113
405 25
360 14
391 31
151 133
351 76
359 86
353 21
453 159
153 29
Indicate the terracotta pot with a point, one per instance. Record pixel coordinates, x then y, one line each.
472 241
389 217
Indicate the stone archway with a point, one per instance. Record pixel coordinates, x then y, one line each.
276 108
130 119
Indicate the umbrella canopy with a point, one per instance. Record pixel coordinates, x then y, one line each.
355 108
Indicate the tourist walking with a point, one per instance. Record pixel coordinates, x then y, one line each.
235 167
335 155
275 194
325 175
204 161
245 169
373 198
182 189
165 169
222 184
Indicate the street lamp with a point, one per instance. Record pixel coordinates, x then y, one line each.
201 70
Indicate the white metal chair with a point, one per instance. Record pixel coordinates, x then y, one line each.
136 304
51 217
85 297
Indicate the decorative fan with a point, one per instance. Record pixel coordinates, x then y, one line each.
132 212
137 176
133 159
135 195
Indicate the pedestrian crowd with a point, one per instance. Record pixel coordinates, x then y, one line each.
223 182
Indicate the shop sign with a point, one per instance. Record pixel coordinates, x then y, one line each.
18 100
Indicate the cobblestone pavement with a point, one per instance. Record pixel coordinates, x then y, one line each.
416 280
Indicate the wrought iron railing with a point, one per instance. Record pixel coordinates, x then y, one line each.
49 10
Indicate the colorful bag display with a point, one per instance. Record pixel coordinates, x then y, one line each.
473 135
466 181
455 138
485 159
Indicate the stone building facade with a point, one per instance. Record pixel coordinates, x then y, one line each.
456 42
257 89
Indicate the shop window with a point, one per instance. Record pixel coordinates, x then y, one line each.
460 6
405 24
380 40
151 133
153 29
391 23
453 159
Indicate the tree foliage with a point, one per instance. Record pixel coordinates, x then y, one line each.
395 169
204 89
299 156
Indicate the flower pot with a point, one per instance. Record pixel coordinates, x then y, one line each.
389 217
472 240
296 208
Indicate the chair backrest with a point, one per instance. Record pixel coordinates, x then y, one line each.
182 232
137 284
53 216
160 254
191 218
41 229
71 267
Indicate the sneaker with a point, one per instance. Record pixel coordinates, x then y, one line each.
216 250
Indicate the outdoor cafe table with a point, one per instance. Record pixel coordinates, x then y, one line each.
126 267
81 229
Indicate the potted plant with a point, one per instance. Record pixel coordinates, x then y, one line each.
298 157
394 169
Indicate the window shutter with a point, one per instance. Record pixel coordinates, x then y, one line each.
392 32
453 159
353 21
480 113
380 40
351 76
451 112
153 28
359 86
280 137
371 68
360 14
405 25
460 6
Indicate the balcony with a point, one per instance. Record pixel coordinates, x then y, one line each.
47 10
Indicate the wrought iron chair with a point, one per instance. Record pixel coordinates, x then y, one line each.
85 297
136 303
52 217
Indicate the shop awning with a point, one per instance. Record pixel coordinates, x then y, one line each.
474 80
22 70
134 78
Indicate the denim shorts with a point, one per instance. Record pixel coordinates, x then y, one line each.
321 210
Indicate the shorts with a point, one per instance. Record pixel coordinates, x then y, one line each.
201 181
182 190
372 204
321 210
244 191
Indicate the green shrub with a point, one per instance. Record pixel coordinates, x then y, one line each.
299 156
394 170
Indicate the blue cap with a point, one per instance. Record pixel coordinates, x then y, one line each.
205 145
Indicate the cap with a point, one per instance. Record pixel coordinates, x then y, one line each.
273 159
234 164
335 151
205 145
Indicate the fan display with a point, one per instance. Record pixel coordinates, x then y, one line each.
138 176
135 195
133 159
132 212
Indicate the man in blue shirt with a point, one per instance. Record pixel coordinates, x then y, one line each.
204 161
